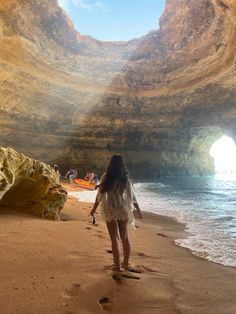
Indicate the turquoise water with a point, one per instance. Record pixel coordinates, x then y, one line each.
207 205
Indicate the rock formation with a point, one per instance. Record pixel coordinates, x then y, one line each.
161 100
29 186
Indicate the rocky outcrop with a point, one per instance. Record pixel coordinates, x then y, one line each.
29 186
161 100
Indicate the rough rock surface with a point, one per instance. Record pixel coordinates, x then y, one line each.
160 100
29 185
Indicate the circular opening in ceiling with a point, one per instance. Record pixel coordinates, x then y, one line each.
114 20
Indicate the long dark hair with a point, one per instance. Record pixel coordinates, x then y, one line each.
116 176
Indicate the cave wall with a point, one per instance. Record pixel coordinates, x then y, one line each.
160 100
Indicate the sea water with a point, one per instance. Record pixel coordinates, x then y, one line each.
207 205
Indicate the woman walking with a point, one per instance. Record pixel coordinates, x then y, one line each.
117 198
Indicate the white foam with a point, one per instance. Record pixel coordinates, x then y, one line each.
84 196
222 252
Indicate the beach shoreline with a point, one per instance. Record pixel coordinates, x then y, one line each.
174 229
64 267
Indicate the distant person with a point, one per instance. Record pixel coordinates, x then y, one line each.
88 176
71 176
75 173
95 179
91 176
116 195
56 168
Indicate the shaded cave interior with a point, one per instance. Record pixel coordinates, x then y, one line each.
185 154
24 195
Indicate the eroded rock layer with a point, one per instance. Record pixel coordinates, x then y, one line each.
29 186
160 100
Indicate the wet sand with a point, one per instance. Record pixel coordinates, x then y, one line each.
64 267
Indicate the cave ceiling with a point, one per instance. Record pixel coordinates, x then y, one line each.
160 100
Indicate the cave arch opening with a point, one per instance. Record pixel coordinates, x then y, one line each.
223 152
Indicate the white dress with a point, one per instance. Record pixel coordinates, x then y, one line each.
116 206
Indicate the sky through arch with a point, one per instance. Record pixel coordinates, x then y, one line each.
114 20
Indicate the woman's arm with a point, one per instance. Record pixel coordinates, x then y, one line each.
140 214
98 197
95 206
133 197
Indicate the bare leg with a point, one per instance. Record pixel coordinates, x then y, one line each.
123 228
115 240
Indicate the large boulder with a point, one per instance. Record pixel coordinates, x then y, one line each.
29 185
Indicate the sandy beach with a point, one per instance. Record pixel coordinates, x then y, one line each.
64 267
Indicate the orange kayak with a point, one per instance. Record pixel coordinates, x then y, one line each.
85 184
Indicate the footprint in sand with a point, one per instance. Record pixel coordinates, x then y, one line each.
88 228
145 255
104 303
148 269
99 236
162 235
142 254
72 291
165 236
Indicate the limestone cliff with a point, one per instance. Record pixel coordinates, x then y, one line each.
160 100
29 186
